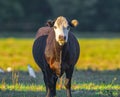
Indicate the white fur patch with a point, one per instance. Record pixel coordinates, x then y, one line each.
61 29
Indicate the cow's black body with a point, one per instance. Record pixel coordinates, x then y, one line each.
38 51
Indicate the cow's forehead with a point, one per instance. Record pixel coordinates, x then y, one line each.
61 22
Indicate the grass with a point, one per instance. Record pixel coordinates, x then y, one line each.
16 53
99 54
96 73
96 54
85 83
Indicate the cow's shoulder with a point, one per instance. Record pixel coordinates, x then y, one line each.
43 31
71 37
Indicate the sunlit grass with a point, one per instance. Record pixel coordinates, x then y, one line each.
92 86
96 54
99 54
16 53
83 86
22 87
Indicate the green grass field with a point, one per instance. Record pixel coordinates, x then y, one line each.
85 83
96 54
96 73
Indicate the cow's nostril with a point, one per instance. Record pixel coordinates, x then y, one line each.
61 37
64 37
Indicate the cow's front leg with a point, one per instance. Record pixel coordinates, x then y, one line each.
68 82
51 85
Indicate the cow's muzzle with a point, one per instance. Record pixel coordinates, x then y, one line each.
62 40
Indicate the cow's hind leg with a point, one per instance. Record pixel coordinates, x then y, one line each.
68 81
50 82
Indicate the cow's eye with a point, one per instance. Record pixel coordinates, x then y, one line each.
68 27
55 27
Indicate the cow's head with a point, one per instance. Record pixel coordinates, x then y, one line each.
62 27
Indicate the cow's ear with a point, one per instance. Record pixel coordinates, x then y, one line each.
50 23
74 23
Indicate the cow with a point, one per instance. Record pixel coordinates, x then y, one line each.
56 51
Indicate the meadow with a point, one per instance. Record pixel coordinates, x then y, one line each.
96 73
96 54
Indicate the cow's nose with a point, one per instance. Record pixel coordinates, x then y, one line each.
62 38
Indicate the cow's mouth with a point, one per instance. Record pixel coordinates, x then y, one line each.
61 42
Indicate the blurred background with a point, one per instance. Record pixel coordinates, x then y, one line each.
98 19
27 16
97 72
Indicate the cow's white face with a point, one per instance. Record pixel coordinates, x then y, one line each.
61 28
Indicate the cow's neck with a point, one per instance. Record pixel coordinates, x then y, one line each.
56 66
58 52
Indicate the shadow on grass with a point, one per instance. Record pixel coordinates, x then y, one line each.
21 94
79 77
80 93
97 77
